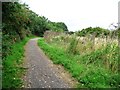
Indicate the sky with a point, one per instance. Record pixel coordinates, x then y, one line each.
77 14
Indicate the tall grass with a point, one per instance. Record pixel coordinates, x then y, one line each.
12 66
73 45
96 69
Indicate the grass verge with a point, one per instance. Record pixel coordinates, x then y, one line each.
90 69
12 66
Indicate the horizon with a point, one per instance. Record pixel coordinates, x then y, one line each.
77 15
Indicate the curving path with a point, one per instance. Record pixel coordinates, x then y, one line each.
41 72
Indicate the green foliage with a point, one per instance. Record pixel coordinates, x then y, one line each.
102 66
56 26
97 69
12 69
73 45
95 78
14 23
19 22
97 31
37 24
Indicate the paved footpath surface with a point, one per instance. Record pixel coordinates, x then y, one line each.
41 72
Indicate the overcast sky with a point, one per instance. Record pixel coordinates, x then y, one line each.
77 14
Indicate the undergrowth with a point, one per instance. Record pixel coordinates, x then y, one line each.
97 69
12 66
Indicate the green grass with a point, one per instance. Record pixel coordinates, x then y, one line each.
97 69
12 66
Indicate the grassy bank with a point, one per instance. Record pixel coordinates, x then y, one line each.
12 66
97 69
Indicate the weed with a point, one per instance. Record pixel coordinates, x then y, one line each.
73 45
12 69
90 68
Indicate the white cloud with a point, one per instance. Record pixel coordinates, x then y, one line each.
77 14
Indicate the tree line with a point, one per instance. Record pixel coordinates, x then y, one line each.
97 31
18 22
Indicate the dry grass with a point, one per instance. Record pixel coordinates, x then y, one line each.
83 44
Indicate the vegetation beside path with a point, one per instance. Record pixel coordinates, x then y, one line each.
89 69
18 23
13 69
94 69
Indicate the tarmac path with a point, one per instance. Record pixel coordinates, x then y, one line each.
41 72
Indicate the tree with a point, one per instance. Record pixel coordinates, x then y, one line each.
97 31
